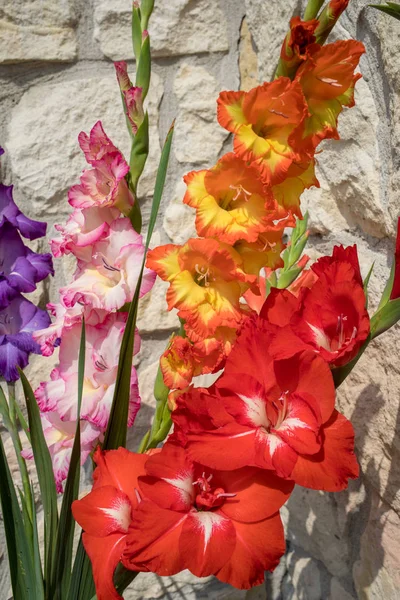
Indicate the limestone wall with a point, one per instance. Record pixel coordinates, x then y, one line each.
57 79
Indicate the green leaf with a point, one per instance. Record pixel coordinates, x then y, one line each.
4 412
340 373
61 575
37 561
22 571
388 288
143 72
136 33
115 435
139 153
44 469
366 282
385 317
391 9
82 584
135 217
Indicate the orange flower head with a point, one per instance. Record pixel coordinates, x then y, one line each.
231 201
265 252
300 176
267 124
327 79
206 282
300 37
177 364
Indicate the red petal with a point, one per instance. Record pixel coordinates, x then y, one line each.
170 479
105 554
230 447
259 547
258 493
120 469
279 307
281 455
330 469
396 281
301 427
103 511
152 542
207 540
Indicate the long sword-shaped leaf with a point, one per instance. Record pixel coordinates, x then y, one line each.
44 470
22 571
82 584
117 425
61 575
391 8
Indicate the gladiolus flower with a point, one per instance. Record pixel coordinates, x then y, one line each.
109 280
102 353
299 178
264 252
206 521
10 213
272 414
330 316
206 282
267 124
96 145
327 79
133 97
18 321
230 200
83 229
105 513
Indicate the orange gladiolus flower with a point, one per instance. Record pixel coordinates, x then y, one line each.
177 364
267 123
231 201
206 282
327 79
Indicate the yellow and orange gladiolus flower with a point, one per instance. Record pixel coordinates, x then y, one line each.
231 201
264 252
300 176
327 79
267 124
206 281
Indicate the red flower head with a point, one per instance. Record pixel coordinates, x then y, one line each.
206 521
300 37
273 414
106 512
330 316
396 281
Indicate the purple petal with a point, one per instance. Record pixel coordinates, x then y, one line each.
24 341
7 293
1 150
29 228
10 358
23 276
43 264
8 208
39 320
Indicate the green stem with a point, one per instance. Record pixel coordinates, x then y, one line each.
312 9
18 449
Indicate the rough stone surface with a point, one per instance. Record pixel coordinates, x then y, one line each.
38 30
177 27
57 79
198 137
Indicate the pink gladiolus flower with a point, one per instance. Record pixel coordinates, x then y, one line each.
96 145
82 230
103 343
109 280
133 97
104 185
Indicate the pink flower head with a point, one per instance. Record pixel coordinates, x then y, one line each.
59 437
97 144
82 230
109 280
103 343
121 70
104 185
133 97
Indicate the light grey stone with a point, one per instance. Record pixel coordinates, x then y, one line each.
176 27
37 30
179 219
198 136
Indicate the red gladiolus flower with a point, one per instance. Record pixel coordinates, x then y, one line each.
105 513
221 523
330 317
396 281
273 414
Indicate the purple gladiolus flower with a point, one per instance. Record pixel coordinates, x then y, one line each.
1 150
20 267
17 323
9 212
